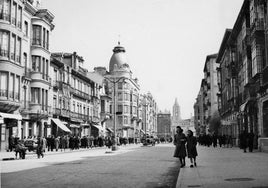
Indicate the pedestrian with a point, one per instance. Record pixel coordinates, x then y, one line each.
44 146
250 141
39 149
191 148
179 142
20 149
244 141
57 143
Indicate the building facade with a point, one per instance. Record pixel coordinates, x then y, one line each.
149 117
164 125
243 72
76 97
24 65
124 92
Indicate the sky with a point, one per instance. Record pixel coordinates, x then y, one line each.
166 41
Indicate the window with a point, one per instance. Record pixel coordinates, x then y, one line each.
11 85
36 35
14 13
17 87
44 37
24 62
4 43
126 109
3 84
120 96
5 10
126 120
120 85
12 46
19 17
18 51
35 94
74 106
126 96
119 108
47 44
25 28
36 61
120 120
54 101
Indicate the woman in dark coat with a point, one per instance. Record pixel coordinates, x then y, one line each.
191 148
179 142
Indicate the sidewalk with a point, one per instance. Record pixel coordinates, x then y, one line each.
11 155
225 167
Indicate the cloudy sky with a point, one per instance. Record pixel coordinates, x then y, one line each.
166 41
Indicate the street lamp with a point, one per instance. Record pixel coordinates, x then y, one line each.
114 81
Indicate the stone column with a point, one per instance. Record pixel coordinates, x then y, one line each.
34 128
19 129
26 129
42 128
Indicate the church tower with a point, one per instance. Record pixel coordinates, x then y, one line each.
176 116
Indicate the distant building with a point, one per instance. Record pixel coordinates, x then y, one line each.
176 116
187 124
164 124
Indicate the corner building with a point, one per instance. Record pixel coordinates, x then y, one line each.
24 69
126 88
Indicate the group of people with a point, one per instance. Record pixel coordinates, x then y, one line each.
56 143
215 140
185 146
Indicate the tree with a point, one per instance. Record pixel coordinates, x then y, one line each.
215 122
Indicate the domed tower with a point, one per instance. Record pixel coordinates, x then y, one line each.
118 59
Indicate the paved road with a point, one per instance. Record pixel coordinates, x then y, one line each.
140 167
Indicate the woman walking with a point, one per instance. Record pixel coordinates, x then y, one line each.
191 147
179 142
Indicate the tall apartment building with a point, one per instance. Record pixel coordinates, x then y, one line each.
149 117
24 68
243 65
206 104
164 125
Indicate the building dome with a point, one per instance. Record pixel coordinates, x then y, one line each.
118 58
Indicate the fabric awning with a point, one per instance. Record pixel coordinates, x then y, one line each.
74 126
61 125
110 130
11 116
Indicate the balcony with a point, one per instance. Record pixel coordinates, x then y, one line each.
40 76
61 112
9 101
5 16
79 117
39 111
80 94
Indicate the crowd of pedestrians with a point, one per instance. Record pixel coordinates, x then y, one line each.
61 143
246 140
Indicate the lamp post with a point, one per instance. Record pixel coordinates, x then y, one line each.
114 81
